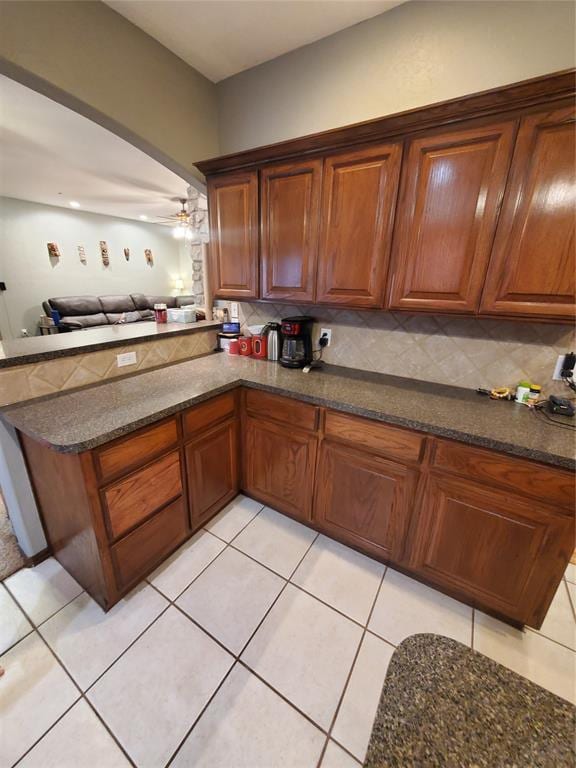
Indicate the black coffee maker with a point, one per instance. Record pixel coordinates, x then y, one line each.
296 341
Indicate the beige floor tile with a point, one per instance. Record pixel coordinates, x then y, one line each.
342 577
13 623
560 624
176 573
230 521
571 573
87 640
356 715
35 692
529 654
405 607
231 597
79 740
336 757
305 651
153 694
247 725
276 541
43 590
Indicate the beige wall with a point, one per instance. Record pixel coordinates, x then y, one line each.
415 54
121 77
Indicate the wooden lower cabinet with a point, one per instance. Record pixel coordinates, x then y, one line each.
500 551
212 471
279 464
364 500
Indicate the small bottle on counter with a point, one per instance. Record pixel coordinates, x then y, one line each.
522 392
535 394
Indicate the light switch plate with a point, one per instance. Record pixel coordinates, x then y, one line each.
126 358
233 310
558 368
328 333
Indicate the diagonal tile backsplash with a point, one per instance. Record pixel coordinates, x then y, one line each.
466 352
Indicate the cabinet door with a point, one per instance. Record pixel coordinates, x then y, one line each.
279 466
364 500
290 206
533 267
358 200
233 206
452 186
212 471
502 552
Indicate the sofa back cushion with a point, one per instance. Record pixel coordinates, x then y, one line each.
143 302
117 304
72 306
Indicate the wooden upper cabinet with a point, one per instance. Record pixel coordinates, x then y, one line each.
233 206
452 186
359 191
290 207
533 267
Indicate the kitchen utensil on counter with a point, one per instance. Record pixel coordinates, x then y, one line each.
271 331
259 347
245 344
296 341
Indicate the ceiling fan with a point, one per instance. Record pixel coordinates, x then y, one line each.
180 218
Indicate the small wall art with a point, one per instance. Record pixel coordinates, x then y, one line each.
53 250
127 254
82 254
104 252
149 257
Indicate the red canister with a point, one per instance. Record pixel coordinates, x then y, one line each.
245 343
234 347
259 347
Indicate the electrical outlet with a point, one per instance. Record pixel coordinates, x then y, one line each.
234 310
559 367
126 358
326 332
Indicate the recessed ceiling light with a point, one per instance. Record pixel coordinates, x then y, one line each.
74 204
143 217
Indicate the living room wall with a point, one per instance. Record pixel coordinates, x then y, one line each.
31 276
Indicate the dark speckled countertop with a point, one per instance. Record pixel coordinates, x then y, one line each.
446 706
36 349
77 421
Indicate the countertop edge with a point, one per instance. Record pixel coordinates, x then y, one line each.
39 357
438 431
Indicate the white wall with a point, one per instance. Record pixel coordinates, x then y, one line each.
416 54
26 228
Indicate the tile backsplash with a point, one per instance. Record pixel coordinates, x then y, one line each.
466 352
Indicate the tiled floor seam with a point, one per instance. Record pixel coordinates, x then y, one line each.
236 657
81 697
13 596
350 671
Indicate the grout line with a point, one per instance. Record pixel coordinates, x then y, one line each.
81 697
348 678
551 639
237 656
570 601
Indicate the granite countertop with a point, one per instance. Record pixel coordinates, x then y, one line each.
78 421
444 705
36 349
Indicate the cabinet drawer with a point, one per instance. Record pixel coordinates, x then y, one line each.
124 455
140 551
131 500
206 415
555 486
282 409
377 438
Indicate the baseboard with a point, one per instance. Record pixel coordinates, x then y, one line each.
39 557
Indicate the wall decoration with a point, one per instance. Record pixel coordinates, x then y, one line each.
82 254
104 252
53 250
149 257
127 254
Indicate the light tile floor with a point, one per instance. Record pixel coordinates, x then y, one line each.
257 645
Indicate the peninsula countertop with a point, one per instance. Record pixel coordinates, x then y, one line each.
36 349
78 421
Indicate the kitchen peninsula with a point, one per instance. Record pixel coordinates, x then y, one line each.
472 496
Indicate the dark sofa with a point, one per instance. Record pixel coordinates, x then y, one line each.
78 312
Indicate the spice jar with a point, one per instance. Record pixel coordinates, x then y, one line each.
161 313
535 394
522 392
